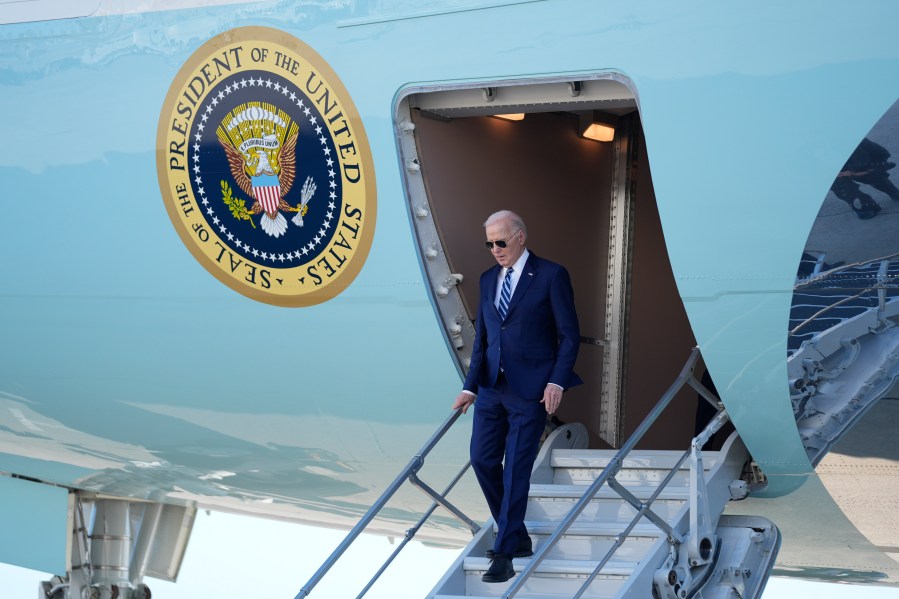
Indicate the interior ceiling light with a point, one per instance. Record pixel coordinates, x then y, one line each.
515 116
597 126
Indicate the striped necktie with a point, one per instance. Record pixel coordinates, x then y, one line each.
506 294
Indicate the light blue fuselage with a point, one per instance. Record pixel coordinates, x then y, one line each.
128 369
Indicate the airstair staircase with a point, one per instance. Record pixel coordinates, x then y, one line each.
613 524
737 566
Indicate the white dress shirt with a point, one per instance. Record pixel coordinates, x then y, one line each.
517 268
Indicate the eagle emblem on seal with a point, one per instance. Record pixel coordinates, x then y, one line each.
260 143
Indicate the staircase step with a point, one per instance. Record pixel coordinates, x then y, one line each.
599 529
598 510
594 547
591 542
651 460
556 566
640 491
585 476
552 578
630 477
553 502
646 468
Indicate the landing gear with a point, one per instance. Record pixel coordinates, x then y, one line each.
115 542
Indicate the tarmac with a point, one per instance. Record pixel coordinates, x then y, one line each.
861 473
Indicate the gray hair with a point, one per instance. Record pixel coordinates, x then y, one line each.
515 221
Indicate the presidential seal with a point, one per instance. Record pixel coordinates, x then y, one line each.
265 169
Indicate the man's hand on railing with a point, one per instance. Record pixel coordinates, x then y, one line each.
464 400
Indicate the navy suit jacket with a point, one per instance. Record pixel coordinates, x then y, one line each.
538 341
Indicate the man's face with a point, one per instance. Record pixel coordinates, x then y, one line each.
502 231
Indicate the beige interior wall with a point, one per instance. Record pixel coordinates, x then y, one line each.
561 185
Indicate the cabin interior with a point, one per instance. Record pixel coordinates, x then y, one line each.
588 205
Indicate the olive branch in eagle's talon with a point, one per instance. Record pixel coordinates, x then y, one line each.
237 206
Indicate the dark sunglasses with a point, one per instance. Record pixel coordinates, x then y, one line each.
500 244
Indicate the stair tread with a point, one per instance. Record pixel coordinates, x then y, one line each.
598 458
636 453
599 529
576 491
617 567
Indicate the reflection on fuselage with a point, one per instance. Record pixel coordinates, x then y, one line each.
840 341
843 343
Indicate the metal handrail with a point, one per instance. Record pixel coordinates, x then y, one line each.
410 533
827 309
880 286
409 472
608 474
813 279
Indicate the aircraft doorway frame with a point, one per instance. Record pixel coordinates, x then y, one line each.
621 230
597 91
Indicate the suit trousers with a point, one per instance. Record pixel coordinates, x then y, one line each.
505 435
847 188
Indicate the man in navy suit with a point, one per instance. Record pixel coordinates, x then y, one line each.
526 343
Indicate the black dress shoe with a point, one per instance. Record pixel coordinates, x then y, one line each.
867 208
500 569
523 549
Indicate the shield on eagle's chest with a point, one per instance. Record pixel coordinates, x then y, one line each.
267 190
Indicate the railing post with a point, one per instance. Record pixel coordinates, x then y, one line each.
410 533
